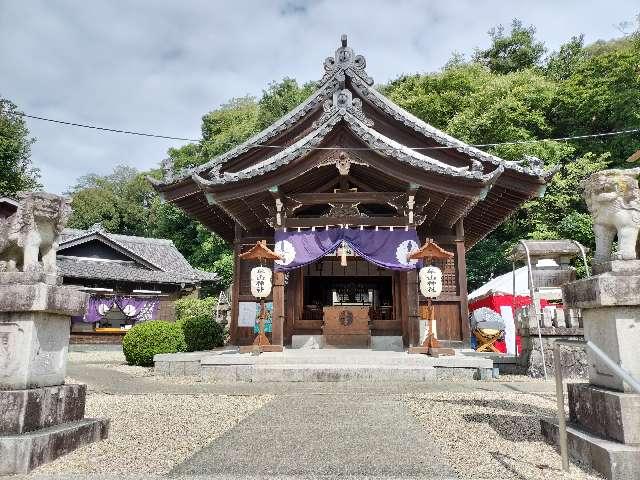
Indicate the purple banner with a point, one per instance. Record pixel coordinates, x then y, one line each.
384 248
138 309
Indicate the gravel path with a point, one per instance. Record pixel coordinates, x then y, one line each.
151 433
493 435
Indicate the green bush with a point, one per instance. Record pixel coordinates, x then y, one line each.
193 307
202 332
147 339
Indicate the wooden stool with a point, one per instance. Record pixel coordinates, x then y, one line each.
486 339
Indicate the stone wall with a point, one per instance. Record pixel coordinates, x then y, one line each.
557 324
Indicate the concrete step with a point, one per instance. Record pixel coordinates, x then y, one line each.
26 451
337 373
348 358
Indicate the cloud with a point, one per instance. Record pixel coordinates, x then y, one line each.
158 66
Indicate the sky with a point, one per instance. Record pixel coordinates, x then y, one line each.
157 66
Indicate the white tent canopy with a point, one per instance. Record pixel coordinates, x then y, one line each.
504 285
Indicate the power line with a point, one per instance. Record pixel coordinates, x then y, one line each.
479 145
105 129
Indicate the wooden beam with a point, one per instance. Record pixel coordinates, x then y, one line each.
235 287
413 308
352 221
345 197
277 320
462 281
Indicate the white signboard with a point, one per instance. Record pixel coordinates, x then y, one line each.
247 314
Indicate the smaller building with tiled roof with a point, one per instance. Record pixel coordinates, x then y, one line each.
112 266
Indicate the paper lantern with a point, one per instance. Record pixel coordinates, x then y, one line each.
260 282
430 281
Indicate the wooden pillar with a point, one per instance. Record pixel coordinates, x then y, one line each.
235 287
413 308
461 268
277 325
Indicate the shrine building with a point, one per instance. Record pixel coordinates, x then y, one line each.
345 186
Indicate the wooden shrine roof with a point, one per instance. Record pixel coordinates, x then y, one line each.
348 126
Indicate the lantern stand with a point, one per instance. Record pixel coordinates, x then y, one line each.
261 252
429 252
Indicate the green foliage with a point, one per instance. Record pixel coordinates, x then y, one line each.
486 261
602 95
509 53
189 307
150 338
562 64
279 98
16 171
196 316
202 332
228 126
121 201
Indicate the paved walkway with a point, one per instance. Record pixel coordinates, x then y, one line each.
326 435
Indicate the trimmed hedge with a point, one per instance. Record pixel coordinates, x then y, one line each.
202 332
149 338
194 307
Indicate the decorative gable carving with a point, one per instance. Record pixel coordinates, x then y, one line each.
345 61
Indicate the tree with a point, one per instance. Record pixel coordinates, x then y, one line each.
509 53
563 63
281 97
121 201
228 126
16 170
602 94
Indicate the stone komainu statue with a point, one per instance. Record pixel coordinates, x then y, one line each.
32 233
613 198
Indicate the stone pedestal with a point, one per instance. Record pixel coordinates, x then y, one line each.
34 333
604 420
40 417
610 303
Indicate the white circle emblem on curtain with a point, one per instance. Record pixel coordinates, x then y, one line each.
286 250
103 308
129 310
403 251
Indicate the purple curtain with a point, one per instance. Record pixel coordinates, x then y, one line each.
138 309
384 248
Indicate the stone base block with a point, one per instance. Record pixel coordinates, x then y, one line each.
37 349
606 413
34 333
22 453
387 343
616 461
616 330
28 410
307 341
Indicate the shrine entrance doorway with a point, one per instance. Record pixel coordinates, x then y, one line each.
346 304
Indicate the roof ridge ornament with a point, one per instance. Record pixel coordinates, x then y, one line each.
345 62
97 228
343 103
